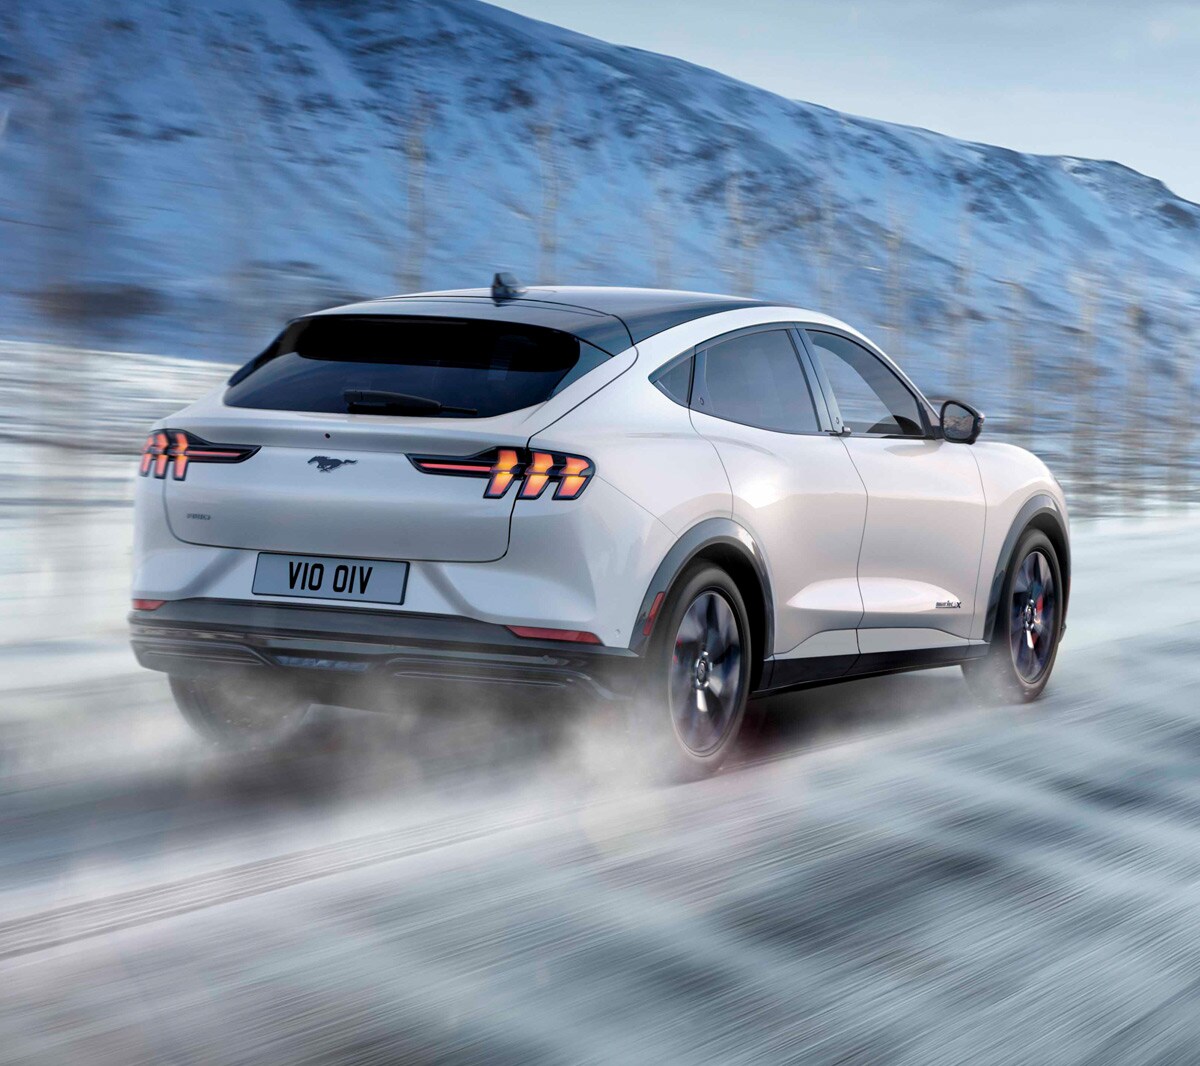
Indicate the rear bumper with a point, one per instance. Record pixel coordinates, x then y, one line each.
336 648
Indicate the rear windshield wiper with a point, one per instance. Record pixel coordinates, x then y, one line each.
364 400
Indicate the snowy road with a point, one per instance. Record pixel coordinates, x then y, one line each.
892 875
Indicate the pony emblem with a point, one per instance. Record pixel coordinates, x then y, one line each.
325 464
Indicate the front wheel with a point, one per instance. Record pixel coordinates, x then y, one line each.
1028 627
241 712
697 677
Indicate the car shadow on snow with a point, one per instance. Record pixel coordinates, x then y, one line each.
788 724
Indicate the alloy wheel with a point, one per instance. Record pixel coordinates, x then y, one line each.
706 672
1033 618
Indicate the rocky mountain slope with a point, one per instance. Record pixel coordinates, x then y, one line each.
182 178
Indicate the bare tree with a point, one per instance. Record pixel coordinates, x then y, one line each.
1182 429
65 187
1085 387
895 279
1187 420
544 134
1137 371
959 375
735 227
416 157
1022 394
68 237
235 119
661 213
548 133
826 266
742 235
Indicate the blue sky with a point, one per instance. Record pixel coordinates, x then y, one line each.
1108 79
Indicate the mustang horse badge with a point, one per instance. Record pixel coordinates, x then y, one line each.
325 464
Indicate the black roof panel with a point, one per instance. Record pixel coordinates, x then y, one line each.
610 318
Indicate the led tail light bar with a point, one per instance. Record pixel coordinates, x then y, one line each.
176 449
503 467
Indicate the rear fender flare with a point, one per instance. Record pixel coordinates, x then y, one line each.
727 536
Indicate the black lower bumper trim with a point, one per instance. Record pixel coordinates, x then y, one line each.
335 645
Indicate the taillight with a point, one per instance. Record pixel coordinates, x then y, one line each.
537 476
176 449
574 477
503 471
533 470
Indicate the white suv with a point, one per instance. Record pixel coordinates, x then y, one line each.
676 499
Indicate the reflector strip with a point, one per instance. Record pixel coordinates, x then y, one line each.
571 636
649 623
147 605
459 468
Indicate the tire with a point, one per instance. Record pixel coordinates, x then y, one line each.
1028 627
241 712
696 680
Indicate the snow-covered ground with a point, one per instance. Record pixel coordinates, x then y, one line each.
83 402
72 423
890 875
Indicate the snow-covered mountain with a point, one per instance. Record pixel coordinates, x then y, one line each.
183 177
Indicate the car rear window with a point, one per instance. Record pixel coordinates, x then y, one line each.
392 365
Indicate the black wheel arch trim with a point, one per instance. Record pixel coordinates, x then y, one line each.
1040 507
705 535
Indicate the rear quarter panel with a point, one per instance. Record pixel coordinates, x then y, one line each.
655 478
644 446
643 442
647 450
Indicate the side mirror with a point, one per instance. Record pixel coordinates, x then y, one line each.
961 423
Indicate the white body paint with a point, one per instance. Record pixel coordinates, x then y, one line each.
861 537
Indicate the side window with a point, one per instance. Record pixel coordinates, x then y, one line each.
870 397
756 379
676 381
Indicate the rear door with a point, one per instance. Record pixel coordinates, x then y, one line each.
925 508
336 413
794 487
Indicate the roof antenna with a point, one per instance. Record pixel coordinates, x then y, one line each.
506 287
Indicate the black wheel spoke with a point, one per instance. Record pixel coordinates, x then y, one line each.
1023 580
1032 617
691 631
705 672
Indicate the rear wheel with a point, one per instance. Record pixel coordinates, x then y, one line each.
241 712
1028 627
697 676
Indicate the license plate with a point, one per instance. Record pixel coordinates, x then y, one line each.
324 578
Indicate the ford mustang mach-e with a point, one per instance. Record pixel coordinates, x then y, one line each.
675 500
